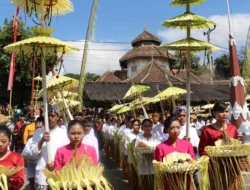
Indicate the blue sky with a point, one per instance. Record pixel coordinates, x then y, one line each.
123 20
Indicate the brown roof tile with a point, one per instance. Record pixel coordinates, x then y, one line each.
146 36
145 51
108 76
183 75
152 73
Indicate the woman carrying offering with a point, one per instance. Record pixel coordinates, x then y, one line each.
11 159
173 144
220 176
129 144
144 149
75 148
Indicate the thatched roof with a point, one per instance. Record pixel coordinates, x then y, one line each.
146 37
113 92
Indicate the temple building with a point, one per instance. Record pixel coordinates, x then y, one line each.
146 63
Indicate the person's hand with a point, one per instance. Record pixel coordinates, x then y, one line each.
142 144
50 166
186 138
46 137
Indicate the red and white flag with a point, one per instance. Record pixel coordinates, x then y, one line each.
13 57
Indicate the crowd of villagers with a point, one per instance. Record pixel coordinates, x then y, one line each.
136 143
132 142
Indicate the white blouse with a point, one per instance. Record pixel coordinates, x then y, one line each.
146 166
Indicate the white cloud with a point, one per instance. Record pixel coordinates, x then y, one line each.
101 57
219 36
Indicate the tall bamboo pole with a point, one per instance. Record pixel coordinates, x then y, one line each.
85 53
45 101
188 77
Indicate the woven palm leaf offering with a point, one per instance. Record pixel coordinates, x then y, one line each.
78 173
5 173
4 119
227 159
177 170
143 160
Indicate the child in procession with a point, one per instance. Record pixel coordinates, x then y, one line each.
75 133
10 159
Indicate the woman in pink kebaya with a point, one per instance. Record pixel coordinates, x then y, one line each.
75 134
173 144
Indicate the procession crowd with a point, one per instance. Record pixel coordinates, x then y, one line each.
23 142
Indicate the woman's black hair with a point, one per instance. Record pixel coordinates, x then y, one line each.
144 121
112 119
136 120
5 130
74 122
220 106
168 122
40 120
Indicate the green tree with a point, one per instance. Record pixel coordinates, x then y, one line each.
90 77
73 76
22 80
222 67
196 67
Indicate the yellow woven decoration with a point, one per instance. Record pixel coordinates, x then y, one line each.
78 174
42 39
179 174
226 163
59 7
5 173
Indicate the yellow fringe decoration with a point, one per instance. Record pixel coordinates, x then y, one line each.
177 174
78 174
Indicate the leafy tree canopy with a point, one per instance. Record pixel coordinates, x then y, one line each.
22 80
90 77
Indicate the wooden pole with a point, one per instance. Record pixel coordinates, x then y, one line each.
188 77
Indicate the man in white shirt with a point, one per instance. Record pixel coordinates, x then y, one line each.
57 138
194 139
157 126
89 138
30 160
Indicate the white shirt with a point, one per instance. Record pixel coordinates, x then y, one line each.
125 133
31 161
245 130
111 131
105 127
158 131
194 138
91 140
131 136
121 129
58 138
146 166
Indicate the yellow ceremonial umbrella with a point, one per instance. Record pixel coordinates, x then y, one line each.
124 109
135 90
59 83
56 7
42 44
60 103
152 101
38 78
208 106
116 107
188 21
170 92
